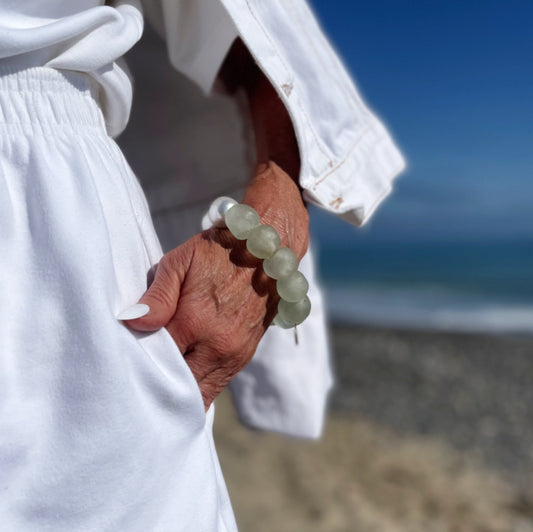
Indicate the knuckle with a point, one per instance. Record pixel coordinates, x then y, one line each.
160 295
228 345
235 350
171 264
173 260
191 322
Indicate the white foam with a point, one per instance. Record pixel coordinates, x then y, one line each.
427 308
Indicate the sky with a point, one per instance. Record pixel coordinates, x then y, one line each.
453 81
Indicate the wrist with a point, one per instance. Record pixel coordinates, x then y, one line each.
279 203
263 242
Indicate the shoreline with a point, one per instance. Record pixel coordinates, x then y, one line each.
339 323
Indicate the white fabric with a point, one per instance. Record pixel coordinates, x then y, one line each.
285 386
101 428
85 36
348 158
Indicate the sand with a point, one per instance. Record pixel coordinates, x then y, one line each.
407 445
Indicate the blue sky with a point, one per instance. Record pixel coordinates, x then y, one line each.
454 83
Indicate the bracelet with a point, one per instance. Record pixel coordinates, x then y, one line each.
279 263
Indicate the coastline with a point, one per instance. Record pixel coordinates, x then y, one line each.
427 430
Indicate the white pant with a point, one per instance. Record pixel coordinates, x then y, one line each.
101 428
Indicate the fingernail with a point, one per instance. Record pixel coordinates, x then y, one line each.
135 311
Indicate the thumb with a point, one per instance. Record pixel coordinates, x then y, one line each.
161 298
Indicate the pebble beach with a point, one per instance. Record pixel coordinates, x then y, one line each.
427 431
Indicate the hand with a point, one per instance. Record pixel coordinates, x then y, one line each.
212 294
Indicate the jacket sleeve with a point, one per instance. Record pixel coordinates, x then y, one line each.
348 158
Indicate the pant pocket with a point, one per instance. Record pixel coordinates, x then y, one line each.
178 378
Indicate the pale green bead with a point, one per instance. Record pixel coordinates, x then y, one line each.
281 264
263 241
293 288
281 323
294 312
240 220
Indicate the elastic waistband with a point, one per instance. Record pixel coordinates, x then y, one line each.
43 100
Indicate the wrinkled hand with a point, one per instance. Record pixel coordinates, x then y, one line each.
212 294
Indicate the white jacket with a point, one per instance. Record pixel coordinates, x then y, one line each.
348 160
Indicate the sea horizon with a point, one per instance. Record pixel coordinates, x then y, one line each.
454 286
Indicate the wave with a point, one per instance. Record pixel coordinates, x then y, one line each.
427 307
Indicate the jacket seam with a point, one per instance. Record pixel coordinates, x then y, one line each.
340 163
342 89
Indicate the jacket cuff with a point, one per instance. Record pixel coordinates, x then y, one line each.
348 159
356 185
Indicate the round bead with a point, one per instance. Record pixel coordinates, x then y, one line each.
218 209
281 264
224 204
294 312
240 220
263 241
293 288
281 323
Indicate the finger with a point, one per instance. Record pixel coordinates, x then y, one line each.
184 338
201 363
162 295
213 370
214 383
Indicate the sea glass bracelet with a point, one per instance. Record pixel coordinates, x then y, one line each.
279 263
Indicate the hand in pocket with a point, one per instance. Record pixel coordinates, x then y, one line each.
213 296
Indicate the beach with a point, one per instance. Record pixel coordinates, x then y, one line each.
427 431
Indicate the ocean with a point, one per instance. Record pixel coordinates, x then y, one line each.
468 286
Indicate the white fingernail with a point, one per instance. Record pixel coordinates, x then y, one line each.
135 311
